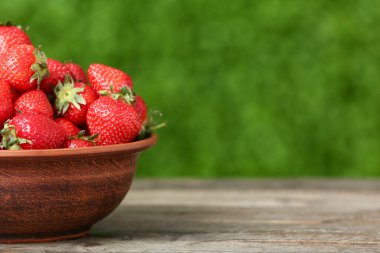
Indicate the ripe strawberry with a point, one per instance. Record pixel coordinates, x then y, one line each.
23 67
73 100
101 77
32 131
115 121
34 102
78 143
6 106
76 72
141 108
81 141
11 36
70 128
58 72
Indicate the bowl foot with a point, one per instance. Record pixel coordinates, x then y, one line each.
41 238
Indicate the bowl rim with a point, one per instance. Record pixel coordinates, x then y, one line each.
131 147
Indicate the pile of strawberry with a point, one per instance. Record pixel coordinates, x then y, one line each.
47 104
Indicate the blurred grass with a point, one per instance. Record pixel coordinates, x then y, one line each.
250 88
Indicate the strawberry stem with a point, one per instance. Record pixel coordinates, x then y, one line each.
125 94
67 94
40 67
10 140
81 136
153 123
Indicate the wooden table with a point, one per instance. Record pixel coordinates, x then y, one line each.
236 216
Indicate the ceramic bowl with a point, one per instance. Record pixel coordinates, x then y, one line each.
55 194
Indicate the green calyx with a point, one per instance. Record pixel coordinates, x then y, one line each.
125 94
155 121
81 136
68 94
10 140
40 67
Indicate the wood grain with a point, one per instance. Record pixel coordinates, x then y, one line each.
236 216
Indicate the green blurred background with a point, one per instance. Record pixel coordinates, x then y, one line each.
249 87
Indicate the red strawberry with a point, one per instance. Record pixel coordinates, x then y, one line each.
101 77
141 109
77 72
70 128
23 67
11 36
34 102
115 121
73 100
6 106
78 143
32 131
58 72
81 141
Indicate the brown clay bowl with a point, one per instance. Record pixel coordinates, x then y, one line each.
48 195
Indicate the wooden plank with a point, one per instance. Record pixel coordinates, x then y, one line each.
244 184
236 216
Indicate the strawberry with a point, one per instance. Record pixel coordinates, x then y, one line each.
76 72
141 108
23 67
6 106
32 131
81 141
70 128
11 36
58 72
78 143
115 121
102 77
34 102
73 100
